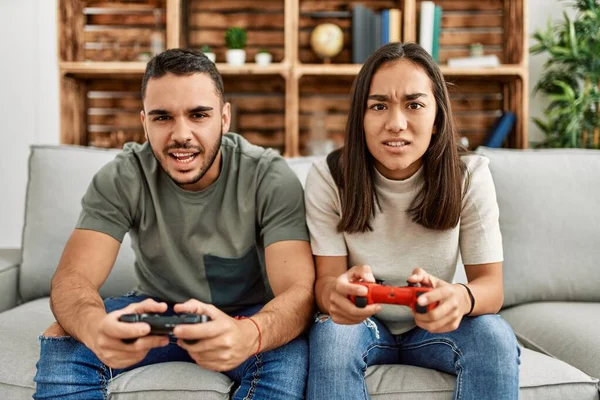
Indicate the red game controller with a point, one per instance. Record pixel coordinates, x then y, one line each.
402 295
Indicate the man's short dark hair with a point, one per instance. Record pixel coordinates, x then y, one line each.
182 62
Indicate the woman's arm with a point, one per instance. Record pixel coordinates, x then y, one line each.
485 282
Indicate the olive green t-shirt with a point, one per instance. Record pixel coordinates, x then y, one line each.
207 245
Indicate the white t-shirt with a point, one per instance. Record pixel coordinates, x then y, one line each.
397 245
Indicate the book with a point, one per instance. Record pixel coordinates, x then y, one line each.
500 130
437 32
385 27
359 27
395 25
474 62
426 25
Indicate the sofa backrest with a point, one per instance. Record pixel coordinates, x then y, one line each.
549 204
58 178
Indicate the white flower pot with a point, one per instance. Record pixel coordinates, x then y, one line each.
263 58
236 56
211 56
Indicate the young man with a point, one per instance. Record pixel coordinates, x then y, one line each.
218 228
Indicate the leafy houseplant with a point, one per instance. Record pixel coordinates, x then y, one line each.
571 79
235 40
209 53
263 57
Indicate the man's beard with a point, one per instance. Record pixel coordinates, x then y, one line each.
208 161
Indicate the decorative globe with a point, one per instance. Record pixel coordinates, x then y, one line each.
327 40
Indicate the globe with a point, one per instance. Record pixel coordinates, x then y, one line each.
327 40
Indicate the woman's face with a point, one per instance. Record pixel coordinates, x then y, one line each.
399 119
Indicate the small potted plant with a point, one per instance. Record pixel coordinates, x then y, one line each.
209 53
235 40
263 57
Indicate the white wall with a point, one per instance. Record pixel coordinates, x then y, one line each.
539 12
29 111
28 101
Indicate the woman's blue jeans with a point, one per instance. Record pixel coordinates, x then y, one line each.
482 353
69 370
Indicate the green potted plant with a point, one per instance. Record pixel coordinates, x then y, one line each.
235 40
571 79
209 53
263 57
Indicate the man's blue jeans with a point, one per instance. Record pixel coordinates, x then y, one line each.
482 353
69 370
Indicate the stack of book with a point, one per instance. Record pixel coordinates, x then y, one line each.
372 29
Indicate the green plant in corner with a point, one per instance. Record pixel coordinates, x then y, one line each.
571 79
235 38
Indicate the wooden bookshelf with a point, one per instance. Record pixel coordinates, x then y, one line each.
280 105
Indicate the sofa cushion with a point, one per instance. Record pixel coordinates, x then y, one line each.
9 267
58 178
568 331
19 349
549 218
542 377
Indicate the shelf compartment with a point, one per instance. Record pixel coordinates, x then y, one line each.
207 22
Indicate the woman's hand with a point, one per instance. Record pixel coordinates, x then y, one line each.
453 303
341 309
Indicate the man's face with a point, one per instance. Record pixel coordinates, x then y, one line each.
184 120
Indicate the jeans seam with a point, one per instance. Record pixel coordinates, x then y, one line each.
456 351
255 377
459 375
103 382
364 357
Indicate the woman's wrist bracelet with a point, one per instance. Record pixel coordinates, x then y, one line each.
471 297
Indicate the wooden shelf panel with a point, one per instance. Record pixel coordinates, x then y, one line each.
91 69
353 69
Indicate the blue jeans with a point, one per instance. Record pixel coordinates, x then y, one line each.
69 370
482 353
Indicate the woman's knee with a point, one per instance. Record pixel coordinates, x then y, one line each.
332 343
494 338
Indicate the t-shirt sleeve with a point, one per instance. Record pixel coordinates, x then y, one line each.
480 237
280 204
323 213
111 200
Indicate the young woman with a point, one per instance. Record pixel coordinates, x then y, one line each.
399 203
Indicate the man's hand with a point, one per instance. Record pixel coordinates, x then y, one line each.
453 303
107 335
341 309
224 342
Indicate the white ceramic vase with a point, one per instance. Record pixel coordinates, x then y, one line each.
263 58
236 56
211 56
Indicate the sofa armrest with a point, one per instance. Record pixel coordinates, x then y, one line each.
10 260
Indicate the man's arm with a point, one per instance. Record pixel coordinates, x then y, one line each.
86 261
291 274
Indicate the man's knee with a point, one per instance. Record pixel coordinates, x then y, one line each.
55 330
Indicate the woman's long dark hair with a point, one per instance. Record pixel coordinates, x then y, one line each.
439 202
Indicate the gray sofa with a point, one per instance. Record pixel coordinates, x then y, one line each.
550 220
